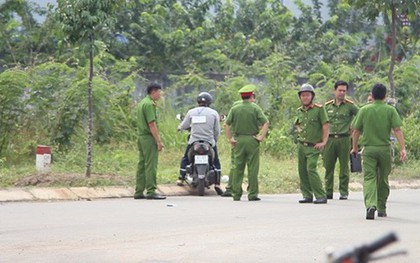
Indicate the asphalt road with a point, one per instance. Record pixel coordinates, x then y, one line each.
202 229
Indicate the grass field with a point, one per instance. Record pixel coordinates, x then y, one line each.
116 165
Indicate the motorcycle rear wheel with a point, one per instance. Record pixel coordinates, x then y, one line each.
200 187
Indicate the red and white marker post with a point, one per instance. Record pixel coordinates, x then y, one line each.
43 158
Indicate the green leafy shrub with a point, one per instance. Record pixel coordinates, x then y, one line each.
411 130
12 104
280 143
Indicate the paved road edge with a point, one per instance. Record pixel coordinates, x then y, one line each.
89 193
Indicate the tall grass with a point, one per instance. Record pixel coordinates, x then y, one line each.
118 160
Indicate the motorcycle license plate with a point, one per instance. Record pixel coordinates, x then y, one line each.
201 159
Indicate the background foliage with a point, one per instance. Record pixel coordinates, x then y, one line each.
191 46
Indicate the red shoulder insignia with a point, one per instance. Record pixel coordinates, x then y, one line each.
317 105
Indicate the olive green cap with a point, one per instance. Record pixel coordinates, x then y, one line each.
248 88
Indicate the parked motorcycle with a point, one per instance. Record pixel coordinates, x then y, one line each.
201 173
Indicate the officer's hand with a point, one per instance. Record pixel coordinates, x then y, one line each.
160 146
232 142
259 138
320 145
403 155
354 151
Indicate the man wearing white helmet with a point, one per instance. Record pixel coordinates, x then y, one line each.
204 123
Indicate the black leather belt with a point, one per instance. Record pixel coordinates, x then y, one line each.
309 144
339 135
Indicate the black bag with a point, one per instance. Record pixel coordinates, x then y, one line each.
356 163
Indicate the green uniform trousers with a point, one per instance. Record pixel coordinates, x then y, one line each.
147 166
337 148
246 153
377 167
310 181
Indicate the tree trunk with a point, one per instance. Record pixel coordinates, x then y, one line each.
393 51
90 114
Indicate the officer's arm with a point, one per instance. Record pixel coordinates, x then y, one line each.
229 135
155 132
325 134
355 139
263 132
400 138
353 121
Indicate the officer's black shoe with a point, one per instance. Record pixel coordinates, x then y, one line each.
344 197
226 194
155 197
382 214
322 200
330 196
254 199
218 190
370 213
306 201
139 197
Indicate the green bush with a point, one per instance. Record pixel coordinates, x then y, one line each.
12 106
411 130
280 143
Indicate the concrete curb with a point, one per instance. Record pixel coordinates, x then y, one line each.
87 193
15 195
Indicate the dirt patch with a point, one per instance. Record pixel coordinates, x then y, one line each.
73 180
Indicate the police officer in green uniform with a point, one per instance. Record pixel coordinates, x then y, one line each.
312 127
149 144
228 191
375 121
243 131
368 101
340 113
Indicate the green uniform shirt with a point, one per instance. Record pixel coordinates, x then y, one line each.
310 123
375 121
146 113
361 140
340 116
237 102
245 118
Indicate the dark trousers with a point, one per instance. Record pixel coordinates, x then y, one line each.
185 161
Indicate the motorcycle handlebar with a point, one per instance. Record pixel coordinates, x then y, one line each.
361 253
382 242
